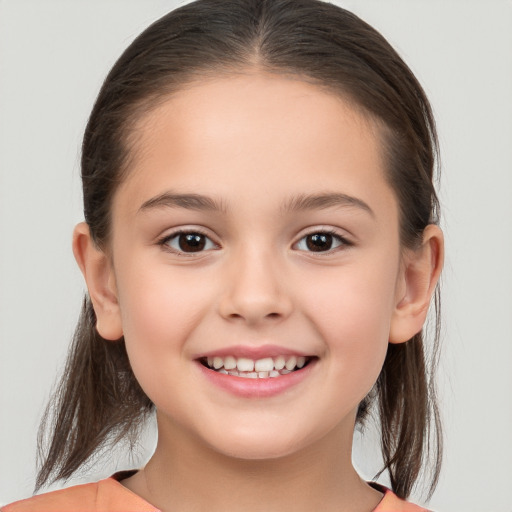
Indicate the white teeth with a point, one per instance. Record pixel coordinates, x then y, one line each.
230 363
245 365
261 368
279 362
264 365
291 363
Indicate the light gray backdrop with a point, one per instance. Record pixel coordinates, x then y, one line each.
53 57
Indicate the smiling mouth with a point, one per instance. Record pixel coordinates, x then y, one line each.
268 367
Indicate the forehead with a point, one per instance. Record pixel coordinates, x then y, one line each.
217 102
244 130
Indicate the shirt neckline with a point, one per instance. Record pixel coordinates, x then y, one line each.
116 478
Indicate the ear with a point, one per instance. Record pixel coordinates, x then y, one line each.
99 275
417 282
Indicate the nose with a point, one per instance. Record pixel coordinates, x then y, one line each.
255 289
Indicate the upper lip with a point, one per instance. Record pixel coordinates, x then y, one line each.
253 352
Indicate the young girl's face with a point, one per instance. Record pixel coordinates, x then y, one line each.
255 222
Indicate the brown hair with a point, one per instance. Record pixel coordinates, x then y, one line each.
99 400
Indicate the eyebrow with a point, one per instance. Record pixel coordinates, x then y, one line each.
300 202
188 201
304 202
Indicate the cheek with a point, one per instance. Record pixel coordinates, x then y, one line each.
357 301
353 315
159 310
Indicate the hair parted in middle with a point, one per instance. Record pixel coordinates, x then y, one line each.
98 399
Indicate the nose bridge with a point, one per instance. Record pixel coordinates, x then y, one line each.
255 287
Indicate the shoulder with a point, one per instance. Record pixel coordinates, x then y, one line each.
104 496
392 503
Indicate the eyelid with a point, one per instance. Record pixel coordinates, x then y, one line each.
345 241
163 241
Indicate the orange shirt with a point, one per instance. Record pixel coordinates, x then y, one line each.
111 496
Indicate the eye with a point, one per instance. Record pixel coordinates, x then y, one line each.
188 242
322 241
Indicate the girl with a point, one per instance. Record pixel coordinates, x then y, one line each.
260 248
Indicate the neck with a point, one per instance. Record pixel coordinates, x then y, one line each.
185 475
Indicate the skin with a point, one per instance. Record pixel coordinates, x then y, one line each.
252 142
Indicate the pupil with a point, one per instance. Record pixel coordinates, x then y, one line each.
319 242
191 242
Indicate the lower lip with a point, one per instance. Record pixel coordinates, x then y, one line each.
256 388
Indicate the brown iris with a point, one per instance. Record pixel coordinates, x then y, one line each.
319 242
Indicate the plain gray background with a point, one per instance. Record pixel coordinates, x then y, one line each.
53 57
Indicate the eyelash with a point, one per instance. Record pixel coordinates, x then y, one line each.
164 242
343 242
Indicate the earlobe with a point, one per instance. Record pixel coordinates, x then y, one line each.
420 274
99 275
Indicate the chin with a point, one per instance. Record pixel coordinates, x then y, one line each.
259 444
257 452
